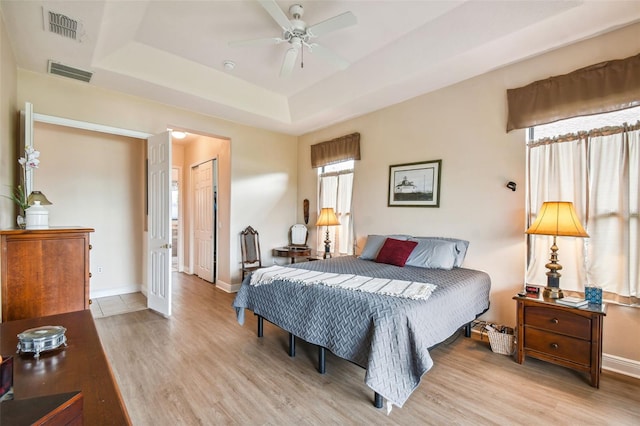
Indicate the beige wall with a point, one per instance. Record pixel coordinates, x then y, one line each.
102 187
262 173
464 125
8 129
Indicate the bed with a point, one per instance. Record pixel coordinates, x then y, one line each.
388 335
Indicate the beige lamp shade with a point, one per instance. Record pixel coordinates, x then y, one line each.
557 218
37 196
327 217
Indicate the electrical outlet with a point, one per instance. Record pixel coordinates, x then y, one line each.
99 269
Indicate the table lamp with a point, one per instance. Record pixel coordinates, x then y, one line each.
36 216
557 218
327 217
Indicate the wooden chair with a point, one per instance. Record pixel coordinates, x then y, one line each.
250 244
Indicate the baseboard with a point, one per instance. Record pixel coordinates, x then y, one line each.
95 294
229 288
620 365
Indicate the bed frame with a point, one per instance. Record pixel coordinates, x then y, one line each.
377 398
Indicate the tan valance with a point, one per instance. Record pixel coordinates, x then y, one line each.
604 87
336 150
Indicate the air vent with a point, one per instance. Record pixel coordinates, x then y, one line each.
61 24
57 68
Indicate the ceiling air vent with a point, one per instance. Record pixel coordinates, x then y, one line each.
69 72
61 24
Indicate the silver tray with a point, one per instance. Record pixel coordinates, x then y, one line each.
41 339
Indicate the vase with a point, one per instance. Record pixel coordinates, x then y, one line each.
21 222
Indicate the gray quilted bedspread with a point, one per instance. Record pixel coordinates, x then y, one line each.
389 336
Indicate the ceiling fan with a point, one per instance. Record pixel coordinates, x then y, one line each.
296 32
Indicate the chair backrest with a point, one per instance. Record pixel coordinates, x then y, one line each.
250 244
298 235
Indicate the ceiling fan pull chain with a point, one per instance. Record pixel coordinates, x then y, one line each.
302 57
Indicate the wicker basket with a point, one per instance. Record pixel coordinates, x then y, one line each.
501 343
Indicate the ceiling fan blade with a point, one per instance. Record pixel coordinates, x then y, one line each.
276 13
343 20
256 42
288 63
329 55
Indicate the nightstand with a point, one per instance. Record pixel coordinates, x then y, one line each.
562 335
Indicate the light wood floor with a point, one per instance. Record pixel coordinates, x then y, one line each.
201 368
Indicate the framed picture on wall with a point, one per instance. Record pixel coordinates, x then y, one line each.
415 184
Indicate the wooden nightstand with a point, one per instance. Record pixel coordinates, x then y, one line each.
571 337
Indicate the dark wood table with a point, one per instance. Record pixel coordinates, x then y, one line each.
81 366
292 252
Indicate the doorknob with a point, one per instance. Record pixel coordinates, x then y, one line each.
167 246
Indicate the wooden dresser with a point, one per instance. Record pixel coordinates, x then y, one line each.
571 337
44 271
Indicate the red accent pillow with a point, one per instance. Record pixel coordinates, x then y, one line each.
395 252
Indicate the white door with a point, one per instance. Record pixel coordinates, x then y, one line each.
159 226
203 220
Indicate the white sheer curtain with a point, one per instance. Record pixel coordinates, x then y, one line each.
335 190
599 172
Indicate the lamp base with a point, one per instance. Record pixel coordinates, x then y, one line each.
552 293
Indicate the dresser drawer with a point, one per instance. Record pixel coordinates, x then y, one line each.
558 321
565 347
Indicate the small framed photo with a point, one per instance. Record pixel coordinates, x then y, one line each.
415 184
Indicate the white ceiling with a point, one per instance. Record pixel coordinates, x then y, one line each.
173 51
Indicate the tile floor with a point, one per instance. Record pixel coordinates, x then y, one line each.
121 304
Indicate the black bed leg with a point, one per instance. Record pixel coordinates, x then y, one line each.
377 400
260 326
292 345
467 330
321 360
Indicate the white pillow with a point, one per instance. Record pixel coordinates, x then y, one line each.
433 253
374 244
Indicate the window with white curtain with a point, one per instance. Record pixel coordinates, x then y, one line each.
594 162
335 189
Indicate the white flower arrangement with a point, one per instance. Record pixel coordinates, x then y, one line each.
29 162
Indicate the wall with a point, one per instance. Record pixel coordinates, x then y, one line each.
464 125
102 188
8 130
262 173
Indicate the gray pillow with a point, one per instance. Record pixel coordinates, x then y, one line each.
433 253
461 247
374 244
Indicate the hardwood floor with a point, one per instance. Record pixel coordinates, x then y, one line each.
200 367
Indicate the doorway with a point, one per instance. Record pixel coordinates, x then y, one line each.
205 219
176 220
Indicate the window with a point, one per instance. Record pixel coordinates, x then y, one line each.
593 161
335 189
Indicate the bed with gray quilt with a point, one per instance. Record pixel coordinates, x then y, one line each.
387 335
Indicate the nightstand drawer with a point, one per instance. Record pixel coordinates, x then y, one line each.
558 321
565 347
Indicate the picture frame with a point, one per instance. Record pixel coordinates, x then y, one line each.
415 184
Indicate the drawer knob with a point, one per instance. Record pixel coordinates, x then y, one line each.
554 320
554 346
